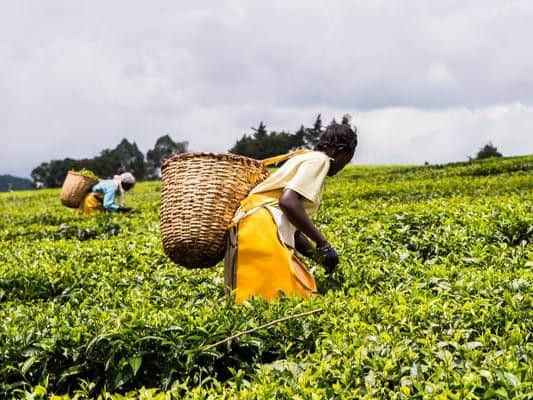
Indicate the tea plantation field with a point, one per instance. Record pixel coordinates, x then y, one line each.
433 298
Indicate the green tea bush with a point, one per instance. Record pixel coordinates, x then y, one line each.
87 173
432 299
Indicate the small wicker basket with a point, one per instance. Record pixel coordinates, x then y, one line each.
199 196
74 189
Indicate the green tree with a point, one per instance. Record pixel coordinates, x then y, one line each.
260 132
312 135
125 157
52 174
299 137
164 148
488 151
263 144
130 158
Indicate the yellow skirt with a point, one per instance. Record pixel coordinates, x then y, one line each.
93 203
259 264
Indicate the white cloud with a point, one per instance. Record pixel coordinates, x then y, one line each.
77 78
408 135
440 77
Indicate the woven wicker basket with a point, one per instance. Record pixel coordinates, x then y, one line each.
74 189
199 196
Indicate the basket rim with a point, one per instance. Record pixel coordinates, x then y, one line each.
219 156
72 172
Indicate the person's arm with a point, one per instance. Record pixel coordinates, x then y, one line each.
109 198
291 204
303 245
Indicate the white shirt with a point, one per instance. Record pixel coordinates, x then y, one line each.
305 174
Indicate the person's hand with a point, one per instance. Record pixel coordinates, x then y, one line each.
123 209
328 257
309 253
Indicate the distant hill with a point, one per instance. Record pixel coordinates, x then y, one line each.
8 182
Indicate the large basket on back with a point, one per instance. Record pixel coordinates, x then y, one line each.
74 189
199 196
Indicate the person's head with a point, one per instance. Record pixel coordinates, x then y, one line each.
127 181
338 142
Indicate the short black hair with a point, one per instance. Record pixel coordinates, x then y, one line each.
340 136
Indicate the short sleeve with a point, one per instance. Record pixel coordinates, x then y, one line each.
309 178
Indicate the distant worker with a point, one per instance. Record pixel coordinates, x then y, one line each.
107 195
273 223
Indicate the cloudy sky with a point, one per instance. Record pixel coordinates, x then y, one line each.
424 81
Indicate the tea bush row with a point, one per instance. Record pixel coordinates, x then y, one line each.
432 299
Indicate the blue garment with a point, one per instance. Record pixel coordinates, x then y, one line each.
109 189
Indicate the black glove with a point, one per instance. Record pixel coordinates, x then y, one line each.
123 209
309 253
328 257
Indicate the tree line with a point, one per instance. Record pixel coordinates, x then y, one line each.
125 157
10 182
259 144
262 144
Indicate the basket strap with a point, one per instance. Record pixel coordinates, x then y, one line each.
245 213
254 202
277 159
